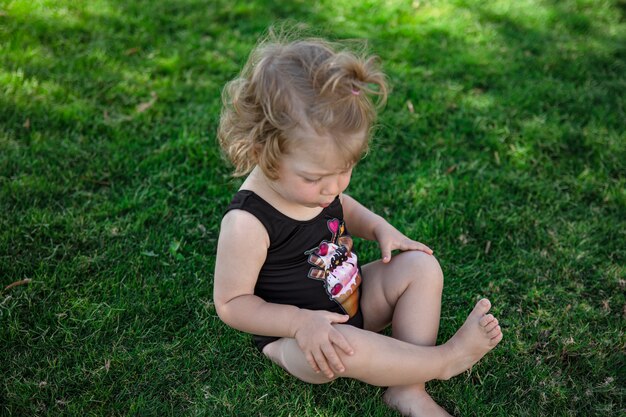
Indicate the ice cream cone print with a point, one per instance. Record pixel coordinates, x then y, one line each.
335 264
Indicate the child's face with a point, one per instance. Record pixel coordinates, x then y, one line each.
313 173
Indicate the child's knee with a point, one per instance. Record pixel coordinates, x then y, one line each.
426 267
286 354
273 352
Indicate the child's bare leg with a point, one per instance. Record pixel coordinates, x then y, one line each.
385 361
407 293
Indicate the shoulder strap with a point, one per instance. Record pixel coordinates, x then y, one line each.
248 201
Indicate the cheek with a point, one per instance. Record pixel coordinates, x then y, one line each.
315 189
306 189
345 181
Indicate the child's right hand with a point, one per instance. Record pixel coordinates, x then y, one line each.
318 339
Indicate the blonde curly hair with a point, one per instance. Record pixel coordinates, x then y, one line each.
301 84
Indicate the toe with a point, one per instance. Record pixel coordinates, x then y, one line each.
492 325
494 332
486 320
494 341
482 307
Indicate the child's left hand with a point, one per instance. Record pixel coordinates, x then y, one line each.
389 239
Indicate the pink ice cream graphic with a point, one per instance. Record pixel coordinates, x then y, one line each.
337 266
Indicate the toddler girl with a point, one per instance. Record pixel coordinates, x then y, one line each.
296 121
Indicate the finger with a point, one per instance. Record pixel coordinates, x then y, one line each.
332 358
338 339
338 318
385 252
421 247
312 363
320 359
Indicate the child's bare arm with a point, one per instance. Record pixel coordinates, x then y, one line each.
365 224
361 221
241 252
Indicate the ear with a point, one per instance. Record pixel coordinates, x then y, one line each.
258 146
266 158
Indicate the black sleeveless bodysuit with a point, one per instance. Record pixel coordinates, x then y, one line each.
310 264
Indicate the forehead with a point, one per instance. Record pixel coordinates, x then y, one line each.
311 152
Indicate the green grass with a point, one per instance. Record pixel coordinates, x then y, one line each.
511 166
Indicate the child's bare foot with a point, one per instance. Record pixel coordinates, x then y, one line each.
479 334
413 402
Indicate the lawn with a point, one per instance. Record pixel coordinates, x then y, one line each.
502 147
